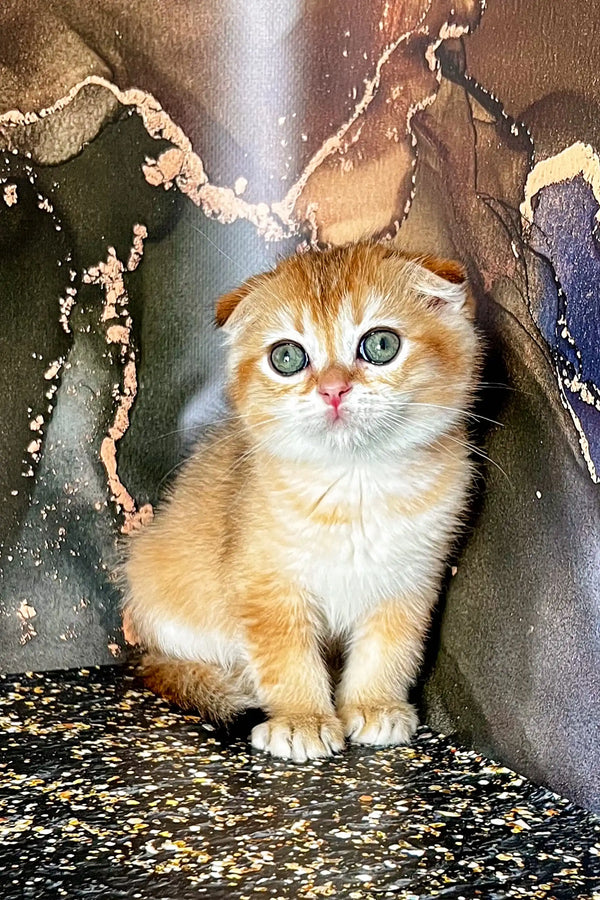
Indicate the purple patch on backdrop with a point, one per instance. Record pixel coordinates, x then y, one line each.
564 225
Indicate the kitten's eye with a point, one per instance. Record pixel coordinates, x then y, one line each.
288 358
379 346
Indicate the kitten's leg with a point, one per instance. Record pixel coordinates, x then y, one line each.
291 679
217 692
383 661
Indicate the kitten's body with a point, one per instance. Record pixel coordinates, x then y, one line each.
297 524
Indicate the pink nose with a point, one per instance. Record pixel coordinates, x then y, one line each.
332 390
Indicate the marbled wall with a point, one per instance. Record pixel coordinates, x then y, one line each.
153 155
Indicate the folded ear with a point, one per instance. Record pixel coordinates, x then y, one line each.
228 303
230 307
445 282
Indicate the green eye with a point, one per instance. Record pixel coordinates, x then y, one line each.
379 346
288 358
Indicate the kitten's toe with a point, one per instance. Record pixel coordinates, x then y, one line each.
271 740
299 738
332 735
379 726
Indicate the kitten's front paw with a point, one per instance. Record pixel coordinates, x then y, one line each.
379 726
299 737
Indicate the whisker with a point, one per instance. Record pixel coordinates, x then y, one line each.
213 443
220 250
506 387
473 449
226 418
462 412
466 444
170 472
244 274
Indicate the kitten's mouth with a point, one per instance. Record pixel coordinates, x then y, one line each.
335 416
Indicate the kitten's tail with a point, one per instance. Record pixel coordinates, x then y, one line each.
217 693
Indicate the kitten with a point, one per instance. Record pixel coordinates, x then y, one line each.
322 510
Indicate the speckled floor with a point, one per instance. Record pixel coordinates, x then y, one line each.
108 792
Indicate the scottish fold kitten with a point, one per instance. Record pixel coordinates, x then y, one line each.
322 510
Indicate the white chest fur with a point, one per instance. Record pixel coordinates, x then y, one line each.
369 535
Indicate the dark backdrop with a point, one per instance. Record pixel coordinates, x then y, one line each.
156 154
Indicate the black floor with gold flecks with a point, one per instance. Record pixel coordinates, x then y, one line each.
108 792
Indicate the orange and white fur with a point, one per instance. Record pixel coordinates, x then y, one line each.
322 511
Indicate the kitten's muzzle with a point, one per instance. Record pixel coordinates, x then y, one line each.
333 389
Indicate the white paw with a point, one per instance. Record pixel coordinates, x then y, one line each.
379 726
299 737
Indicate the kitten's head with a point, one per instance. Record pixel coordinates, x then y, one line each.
359 350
